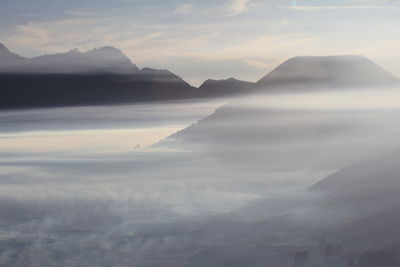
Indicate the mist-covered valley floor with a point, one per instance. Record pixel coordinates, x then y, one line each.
307 179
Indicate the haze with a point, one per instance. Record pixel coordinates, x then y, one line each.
240 133
207 39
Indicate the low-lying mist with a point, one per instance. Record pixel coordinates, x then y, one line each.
81 187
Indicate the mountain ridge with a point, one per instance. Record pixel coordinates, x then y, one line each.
105 59
106 76
101 76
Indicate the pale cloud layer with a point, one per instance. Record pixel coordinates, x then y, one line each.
299 7
184 9
234 38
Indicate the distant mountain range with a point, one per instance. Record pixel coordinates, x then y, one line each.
102 60
98 77
106 76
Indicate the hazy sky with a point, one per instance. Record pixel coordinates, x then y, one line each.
208 38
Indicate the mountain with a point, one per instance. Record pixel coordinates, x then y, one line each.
56 90
8 59
102 60
258 137
106 76
368 192
280 136
368 184
227 86
308 72
98 77
380 227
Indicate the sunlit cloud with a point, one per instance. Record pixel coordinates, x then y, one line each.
79 13
33 32
236 7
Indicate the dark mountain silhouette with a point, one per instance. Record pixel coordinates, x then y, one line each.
307 72
225 87
97 77
52 90
106 76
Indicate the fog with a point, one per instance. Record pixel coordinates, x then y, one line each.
206 183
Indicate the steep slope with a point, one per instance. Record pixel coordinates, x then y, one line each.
308 72
372 184
9 60
368 193
254 136
377 229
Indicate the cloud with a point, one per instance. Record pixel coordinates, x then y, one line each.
184 9
236 7
32 31
57 36
373 1
259 64
311 8
79 13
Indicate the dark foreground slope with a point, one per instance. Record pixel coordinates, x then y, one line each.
369 190
262 138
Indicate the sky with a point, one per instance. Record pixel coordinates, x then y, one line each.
205 39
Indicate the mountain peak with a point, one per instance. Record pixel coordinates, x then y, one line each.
8 59
223 82
106 49
109 48
3 48
331 71
112 56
